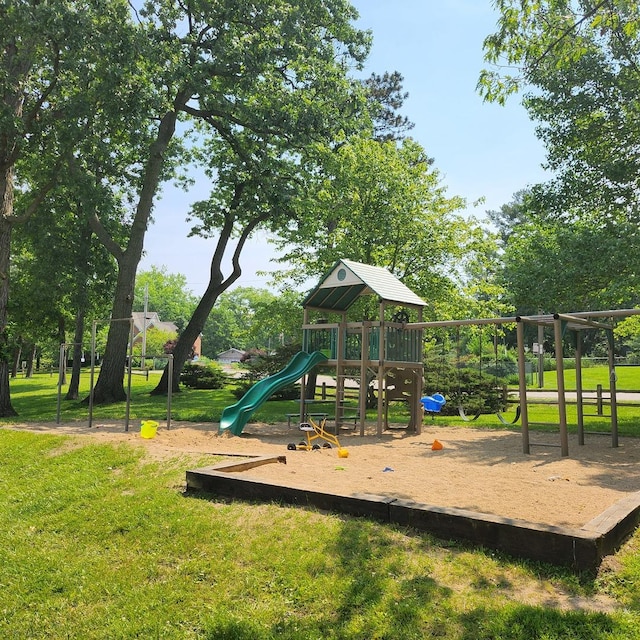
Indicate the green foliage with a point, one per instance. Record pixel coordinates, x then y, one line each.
581 61
558 259
267 364
156 340
168 295
247 317
380 203
466 382
207 375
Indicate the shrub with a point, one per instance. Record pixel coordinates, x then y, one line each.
203 375
465 382
263 365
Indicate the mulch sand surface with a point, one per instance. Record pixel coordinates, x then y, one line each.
478 469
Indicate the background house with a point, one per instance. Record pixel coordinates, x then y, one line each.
154 322
230 356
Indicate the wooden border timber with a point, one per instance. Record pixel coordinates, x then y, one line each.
581 548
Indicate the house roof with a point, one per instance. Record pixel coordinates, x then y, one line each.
231 352
153 320
347 280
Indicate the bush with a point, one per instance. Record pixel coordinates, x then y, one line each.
290 392
264 365
203 375
465 382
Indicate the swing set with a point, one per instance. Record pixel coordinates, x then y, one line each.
475 393
560 323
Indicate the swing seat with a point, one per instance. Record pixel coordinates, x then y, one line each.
465 417
506 421
434 403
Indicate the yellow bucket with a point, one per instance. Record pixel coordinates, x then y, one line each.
148 429
343 453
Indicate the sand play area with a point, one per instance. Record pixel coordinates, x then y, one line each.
478 469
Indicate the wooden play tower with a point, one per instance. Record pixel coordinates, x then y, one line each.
386 352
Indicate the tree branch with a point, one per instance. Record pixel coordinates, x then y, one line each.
105 237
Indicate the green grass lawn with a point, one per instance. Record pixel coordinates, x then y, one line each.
35 399
627 378
99 542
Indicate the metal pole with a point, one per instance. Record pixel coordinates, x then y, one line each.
93 366
61 364
128 407
144 325
170 390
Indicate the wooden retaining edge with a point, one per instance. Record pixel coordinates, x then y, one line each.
579 548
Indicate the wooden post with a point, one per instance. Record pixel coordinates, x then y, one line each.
364 359
381 370
305 320
340 347
613 392
579 403
522 387
562 406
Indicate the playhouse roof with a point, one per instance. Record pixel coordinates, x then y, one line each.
347 280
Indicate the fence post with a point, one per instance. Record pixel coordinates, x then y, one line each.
599 400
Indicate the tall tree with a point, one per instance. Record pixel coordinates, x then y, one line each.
386 96
167 295
511 215
60 274
379 203
246 317
46 50
581 62
554 266
275 71
276 82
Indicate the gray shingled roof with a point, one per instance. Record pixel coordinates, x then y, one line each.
347 280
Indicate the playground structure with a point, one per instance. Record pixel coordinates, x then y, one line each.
386 355
235 416
389 352
386 352
560 323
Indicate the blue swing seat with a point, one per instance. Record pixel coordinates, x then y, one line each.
433 403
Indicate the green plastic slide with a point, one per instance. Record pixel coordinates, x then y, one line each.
235 417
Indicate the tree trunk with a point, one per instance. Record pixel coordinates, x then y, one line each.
80 300
110 384
185 342
74 383
30 360
217 286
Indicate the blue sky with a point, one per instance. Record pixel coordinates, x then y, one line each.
481 150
